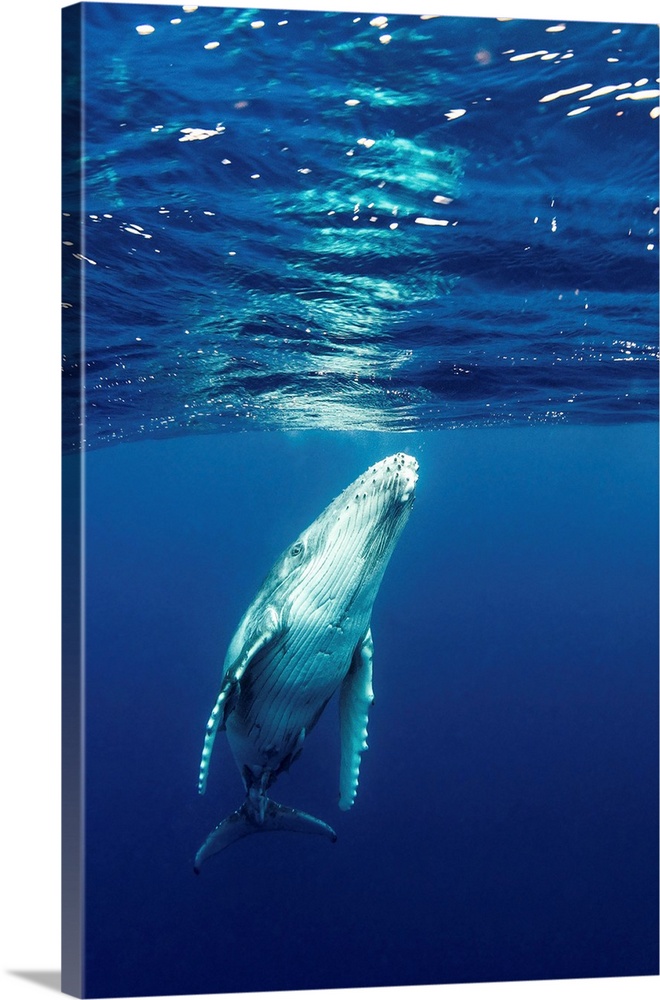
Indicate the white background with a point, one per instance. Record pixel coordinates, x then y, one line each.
29 486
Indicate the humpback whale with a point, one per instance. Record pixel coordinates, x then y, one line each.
305 635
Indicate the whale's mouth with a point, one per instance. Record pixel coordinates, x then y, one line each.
347 548
399 473
349 545
386 485
371 512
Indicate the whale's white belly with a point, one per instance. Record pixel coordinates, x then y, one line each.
284 693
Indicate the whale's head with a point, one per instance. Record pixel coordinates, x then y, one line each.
334 568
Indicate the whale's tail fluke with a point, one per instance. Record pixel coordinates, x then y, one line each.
246 820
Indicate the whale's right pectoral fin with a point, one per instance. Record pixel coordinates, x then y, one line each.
247 820
355 700
256 639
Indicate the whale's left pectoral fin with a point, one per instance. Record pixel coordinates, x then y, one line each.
355 700
253 643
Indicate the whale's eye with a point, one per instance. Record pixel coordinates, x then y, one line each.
297 550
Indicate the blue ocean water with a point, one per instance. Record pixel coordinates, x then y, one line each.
344 239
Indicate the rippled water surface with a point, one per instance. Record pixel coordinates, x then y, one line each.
295 220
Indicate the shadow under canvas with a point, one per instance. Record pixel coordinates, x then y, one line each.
50 979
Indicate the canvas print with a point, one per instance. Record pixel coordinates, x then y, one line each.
360 471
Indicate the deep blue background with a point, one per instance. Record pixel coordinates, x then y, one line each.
506 821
